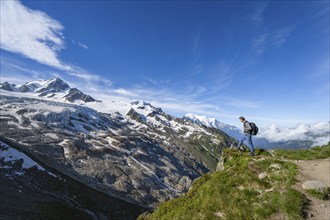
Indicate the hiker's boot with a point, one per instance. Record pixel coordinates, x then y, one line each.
240 150
252 154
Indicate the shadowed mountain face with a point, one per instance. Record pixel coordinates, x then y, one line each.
30 191
142 158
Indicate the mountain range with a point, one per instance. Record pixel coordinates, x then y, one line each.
54 88
57 142
140 158
274 136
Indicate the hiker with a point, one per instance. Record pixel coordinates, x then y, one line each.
247 136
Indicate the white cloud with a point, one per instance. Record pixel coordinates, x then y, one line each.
35 35
316 131
31 33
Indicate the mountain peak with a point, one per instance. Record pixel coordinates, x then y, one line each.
214 123
199 119
53 85
7 86
146 107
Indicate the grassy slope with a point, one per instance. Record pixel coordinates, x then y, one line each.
305 154
238 193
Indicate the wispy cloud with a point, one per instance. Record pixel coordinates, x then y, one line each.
321 8
197 43
280 36
259 43
265 37
35 74
275 38
35 35
82 45
257 17
243 103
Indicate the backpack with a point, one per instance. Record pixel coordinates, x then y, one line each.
254 127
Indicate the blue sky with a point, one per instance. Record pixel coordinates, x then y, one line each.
266 60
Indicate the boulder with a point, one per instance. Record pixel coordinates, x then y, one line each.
275 165
220 165
314 184
262 175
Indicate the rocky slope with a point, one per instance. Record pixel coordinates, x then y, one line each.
29 190
143 157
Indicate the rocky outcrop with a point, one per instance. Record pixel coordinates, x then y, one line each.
314 185
221 164
76 95
6 86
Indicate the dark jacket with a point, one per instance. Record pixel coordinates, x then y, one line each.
247 128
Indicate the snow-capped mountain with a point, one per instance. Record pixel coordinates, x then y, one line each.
214 123
301 136
141 155
55 89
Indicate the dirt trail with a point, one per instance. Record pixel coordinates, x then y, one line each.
315 170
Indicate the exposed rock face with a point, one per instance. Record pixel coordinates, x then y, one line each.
143 158
75 94
30 191
221 165
24 88
6 86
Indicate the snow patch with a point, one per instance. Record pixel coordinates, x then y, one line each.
10 154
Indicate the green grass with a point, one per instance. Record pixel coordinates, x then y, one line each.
324 195
305 154
238 193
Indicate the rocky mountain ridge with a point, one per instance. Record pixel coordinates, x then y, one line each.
54 88
143 157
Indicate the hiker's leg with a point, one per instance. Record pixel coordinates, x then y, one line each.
249 143
241 141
